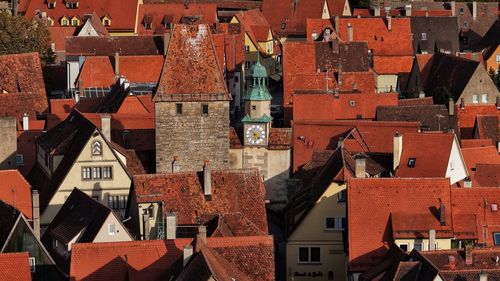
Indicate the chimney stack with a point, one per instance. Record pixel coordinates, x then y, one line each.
467 182
408 10
452 262
474 10
187 254
483 276
398 147
26 122
360 165
432 240
166 42
451 107
442 214
106 126
176 167
340 142
376 11
117 64
389 22
350 34
421 94
171 226
36 213
453 8
77 97
207 179
462 103
469 259
337 24
202 234
498 103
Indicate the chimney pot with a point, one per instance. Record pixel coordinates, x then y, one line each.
442 214
187 254
360 165
36 212
498 103
350 34
207 179
171 226
376 11
117 64
77 97
421 94
432 240
397 149
453 7
474 10
451 107
467 182
202 234
26 122
462 103
176 167
408 10
389 22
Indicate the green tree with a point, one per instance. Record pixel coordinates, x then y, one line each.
495 76
441 95
19 35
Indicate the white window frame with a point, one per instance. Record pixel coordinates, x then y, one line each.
111 228
475 98
86 173
97 172
406 244
498 58
107 172
484 98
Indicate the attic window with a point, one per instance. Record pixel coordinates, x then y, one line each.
283 25
50 22
411 162
424 36
64 22
494 207
147 25
51 4
106 22
496 238
352 103
71 5
461 11
96 148
75 22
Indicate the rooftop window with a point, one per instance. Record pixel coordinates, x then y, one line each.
411 162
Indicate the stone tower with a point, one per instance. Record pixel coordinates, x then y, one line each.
257 121
191 104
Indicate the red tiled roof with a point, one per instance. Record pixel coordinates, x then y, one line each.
317 26
473 215
255 25
470 143
58 35
26 146
118 120
134 260
16 191
233 191
431 152
392 64
15 266
232 47
322 135
157 13
383 42
431 13
488 175
191 53
280 138
372 202
122 13
467 117
307 107
479 155
483 262
22 89
416 101
98 71
107 46
488 127
137 105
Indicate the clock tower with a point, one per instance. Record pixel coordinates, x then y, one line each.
257 121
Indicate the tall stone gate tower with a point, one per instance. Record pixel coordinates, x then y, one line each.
191 104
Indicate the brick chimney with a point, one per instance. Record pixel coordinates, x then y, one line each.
171 226
360 165
350 34
106 126
36 212
452 262
207 179
187 254
398 148
469 259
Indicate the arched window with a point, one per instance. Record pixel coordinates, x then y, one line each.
96 148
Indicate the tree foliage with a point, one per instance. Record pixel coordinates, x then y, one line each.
495 76
441 95
19 35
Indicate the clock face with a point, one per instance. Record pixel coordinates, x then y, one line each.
256 134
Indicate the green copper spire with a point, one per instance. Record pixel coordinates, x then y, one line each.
258 90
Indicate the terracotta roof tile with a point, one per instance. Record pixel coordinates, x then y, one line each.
58 35
484 261
377 199
392 64
233 191
487 175
158 13
416 101
191 49
470 143
21 85
108 46
488 127
383 42
123 13
26 145
431 117
431 152
16 191
475 156
280 138
317 26
15 266
467 117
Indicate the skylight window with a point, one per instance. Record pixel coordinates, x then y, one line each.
411 162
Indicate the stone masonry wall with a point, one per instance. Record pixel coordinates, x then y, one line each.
191 136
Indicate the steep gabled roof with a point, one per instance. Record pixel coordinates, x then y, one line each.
233 191
432 117
490 41
480 161
16 191
15 266
191 71
22 89
440 33
94 20
373 204
488 127
430 151
451 72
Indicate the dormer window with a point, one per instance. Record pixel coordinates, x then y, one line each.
411 162
64 21
51 4
50 22
96 148
71 4
461 11
283 26
105 22
148 21
75 22
167 21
